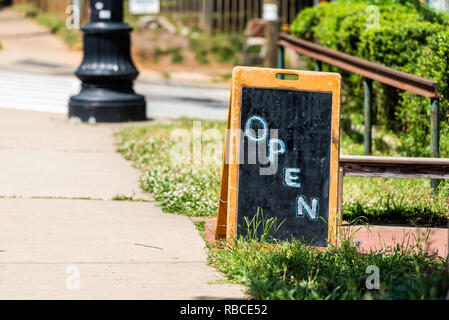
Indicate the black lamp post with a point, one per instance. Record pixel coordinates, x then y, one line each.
107 71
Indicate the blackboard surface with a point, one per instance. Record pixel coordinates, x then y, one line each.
303 122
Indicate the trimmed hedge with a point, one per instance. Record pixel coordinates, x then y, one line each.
409 37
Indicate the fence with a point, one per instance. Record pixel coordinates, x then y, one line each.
209 15
227 15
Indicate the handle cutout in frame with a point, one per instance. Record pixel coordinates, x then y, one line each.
287 76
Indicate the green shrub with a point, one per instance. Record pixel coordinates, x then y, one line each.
410 37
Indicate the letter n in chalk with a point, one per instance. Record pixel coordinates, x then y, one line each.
303 208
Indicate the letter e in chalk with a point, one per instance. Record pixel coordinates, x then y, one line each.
291 177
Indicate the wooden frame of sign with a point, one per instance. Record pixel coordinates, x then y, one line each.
309 104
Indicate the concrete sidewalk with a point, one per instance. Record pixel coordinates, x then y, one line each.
29 46
51 240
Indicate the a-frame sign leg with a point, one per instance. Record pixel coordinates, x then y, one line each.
222 216
223 205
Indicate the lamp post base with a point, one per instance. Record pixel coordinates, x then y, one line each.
106 105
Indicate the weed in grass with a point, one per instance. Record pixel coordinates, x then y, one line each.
260 228
226 76
201 227
71 39
167 75
121 197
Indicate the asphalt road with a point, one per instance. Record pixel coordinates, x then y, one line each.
51 93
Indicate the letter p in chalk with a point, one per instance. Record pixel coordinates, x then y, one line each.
275 147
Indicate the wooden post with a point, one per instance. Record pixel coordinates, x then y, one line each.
234 17
226 15
242 16
368 113
271 17
341 174
293 11
434 134
249 10
284 12
219 15
207 21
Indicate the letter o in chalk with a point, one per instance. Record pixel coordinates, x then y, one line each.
249 131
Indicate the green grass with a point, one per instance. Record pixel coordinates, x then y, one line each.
188 189
294 271
192 188
275 270
405 201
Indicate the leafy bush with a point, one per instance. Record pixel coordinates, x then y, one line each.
409 37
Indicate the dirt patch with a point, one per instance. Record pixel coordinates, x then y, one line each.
170 54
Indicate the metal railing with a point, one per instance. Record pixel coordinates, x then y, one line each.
371 72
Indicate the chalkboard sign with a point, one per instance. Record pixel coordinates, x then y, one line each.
282 154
